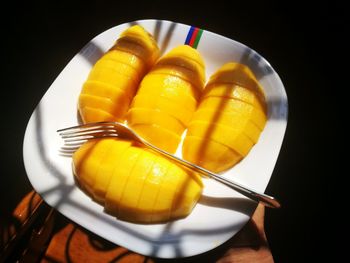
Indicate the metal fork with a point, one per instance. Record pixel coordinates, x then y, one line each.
76 135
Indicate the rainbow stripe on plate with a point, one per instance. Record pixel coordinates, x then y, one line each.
193 36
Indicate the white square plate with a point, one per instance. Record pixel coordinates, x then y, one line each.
220 213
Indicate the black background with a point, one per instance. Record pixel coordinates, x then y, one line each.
304 45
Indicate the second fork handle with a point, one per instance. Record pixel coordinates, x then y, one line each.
265 199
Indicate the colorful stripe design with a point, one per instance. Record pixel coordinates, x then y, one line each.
193 36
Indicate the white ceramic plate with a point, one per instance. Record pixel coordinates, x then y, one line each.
220 213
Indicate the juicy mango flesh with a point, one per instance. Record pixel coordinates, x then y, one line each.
167 98
133 183
228 121
159 99
114 79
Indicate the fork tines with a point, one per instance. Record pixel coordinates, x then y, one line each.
82 133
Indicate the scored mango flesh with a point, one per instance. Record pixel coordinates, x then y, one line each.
228 120
167 98
133 183
114 79
160 99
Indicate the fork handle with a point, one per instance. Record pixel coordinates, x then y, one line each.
265 199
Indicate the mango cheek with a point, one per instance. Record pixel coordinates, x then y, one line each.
133 183
228 121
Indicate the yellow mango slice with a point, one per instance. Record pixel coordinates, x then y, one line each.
118 67
228 120
95 115
103 104
141 36
175 194
188 189
240 75
186 57
104 90
257 116
186 52
112 77
87 160
163 104
150 191
235 73
236 92
163 196
232 120
210 154
138 41
160 82
119 179
107 167
157 117
134 183
235 139
122 67
170 87
180 72
127 58
128 44
160 137
124 88
184 62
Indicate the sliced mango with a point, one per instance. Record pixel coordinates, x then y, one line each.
231 120
147 48
165 192
104 90
176 193
163 104
173 88
210 154
103 104
119 179
228 120
160 137
188 53
141 35
106 169
160 81
128 58
118 67
157 117
235 139
88 159
149 193
188 189
236 92
180 72
186 57
134 183
89 114
232 105
115 78
122 67
235 73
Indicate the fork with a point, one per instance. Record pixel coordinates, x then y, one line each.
77 135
